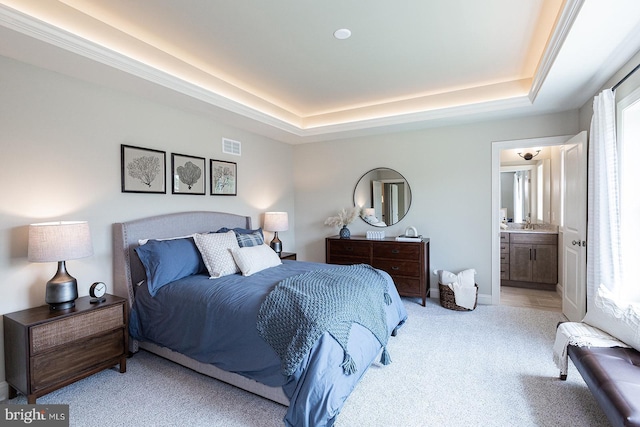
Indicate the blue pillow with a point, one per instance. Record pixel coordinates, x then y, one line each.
245 236
165 261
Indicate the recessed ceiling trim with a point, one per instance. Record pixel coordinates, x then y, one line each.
261 111
53 35
559 34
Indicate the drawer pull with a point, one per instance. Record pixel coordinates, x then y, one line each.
395 251
395 267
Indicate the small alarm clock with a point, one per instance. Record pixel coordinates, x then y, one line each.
97 291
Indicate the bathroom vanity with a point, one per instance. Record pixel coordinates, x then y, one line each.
529 259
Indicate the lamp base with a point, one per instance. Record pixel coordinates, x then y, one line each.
62 290
276 244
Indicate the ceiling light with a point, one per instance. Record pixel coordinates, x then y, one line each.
342 34
529 156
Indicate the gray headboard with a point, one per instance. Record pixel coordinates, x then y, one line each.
127 268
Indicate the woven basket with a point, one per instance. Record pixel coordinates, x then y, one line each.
448 299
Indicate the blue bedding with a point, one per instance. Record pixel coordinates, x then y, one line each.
214 321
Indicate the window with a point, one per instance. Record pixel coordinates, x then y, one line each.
628 137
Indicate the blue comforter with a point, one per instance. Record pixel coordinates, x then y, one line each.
214 321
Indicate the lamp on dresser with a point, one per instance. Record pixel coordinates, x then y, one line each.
276 221
59 242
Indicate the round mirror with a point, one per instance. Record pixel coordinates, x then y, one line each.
384 197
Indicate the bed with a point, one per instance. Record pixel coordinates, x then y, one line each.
210 325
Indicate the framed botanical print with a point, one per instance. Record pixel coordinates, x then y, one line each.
143 170
187 174
224 178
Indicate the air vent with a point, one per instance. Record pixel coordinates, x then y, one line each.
230 146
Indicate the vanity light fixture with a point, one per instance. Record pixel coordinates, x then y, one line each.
529 156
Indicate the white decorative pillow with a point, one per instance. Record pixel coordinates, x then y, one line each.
252 259
215 249
617 318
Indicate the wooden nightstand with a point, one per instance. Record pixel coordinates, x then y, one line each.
288 255
46 350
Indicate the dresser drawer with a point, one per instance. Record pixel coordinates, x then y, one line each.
398 267
49 335
396 251
76 357
407 286
347 260
350 248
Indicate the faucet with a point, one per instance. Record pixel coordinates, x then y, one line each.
528 225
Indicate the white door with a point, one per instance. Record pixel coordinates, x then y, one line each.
574 230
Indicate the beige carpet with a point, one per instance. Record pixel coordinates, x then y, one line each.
489 367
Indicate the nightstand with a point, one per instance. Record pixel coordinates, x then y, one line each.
46 350
288 255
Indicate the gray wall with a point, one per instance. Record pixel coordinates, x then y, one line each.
449 170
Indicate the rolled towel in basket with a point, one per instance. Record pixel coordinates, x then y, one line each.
464 288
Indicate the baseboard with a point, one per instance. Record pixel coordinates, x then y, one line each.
4 390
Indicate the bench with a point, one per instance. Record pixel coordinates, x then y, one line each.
613 377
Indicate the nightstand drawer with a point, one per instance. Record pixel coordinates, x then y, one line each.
398 267
396 251
74 358
63 331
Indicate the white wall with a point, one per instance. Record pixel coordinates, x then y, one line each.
60 160
449 171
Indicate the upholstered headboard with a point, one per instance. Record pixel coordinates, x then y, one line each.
127 268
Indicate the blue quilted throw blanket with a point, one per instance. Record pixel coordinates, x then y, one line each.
301 308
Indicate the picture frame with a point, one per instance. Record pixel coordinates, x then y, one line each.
143 170
223 178
188 174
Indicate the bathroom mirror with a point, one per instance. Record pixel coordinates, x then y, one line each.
384 196
515 194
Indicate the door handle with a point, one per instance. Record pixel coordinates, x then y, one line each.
582 243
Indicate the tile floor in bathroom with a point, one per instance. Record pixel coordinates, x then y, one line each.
532 298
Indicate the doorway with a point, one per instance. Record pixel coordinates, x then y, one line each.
537 211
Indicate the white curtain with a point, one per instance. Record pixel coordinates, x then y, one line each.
604 264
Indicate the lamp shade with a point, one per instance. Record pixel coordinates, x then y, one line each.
59 241
276 221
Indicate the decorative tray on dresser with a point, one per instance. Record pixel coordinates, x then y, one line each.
406 262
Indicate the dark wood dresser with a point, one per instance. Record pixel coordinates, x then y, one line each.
406 262
46 350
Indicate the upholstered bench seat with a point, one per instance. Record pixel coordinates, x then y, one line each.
613 377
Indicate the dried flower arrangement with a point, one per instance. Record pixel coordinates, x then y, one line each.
344 217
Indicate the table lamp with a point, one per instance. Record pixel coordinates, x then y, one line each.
276 221
59 242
